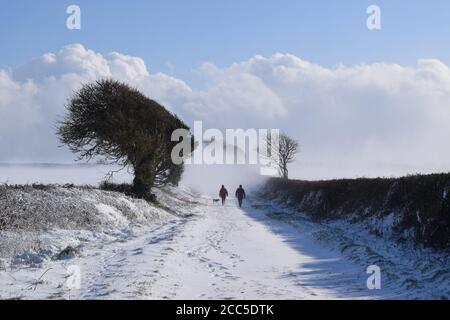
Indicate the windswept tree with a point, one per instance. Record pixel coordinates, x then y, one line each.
282 152
112 122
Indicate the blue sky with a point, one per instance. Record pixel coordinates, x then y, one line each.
379 119
188 33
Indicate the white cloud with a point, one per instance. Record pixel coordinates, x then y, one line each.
17 102
351 115
126 67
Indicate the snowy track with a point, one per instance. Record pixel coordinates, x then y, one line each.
227 253
216 253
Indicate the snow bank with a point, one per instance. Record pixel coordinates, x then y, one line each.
412 209
38 222
400 225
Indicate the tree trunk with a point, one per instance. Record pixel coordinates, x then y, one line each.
284 170
144 177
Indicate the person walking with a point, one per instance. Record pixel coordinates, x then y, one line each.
223 194
240 194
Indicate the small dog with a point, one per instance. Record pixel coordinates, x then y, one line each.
216 200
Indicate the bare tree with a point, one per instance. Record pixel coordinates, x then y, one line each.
283 153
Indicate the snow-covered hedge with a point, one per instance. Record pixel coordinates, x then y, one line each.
36 208
413 209
28 212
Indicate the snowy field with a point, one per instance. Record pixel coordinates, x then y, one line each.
78 174
191 248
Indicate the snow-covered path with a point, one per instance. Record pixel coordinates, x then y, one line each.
226 254
219 253
214 252
229 253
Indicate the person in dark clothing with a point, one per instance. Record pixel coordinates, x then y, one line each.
240 194
223 194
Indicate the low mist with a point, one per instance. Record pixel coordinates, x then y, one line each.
207 179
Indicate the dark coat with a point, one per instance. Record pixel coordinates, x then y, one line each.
240 193
223 193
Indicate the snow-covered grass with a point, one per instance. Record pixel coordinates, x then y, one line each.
46 228
29 213
408 270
